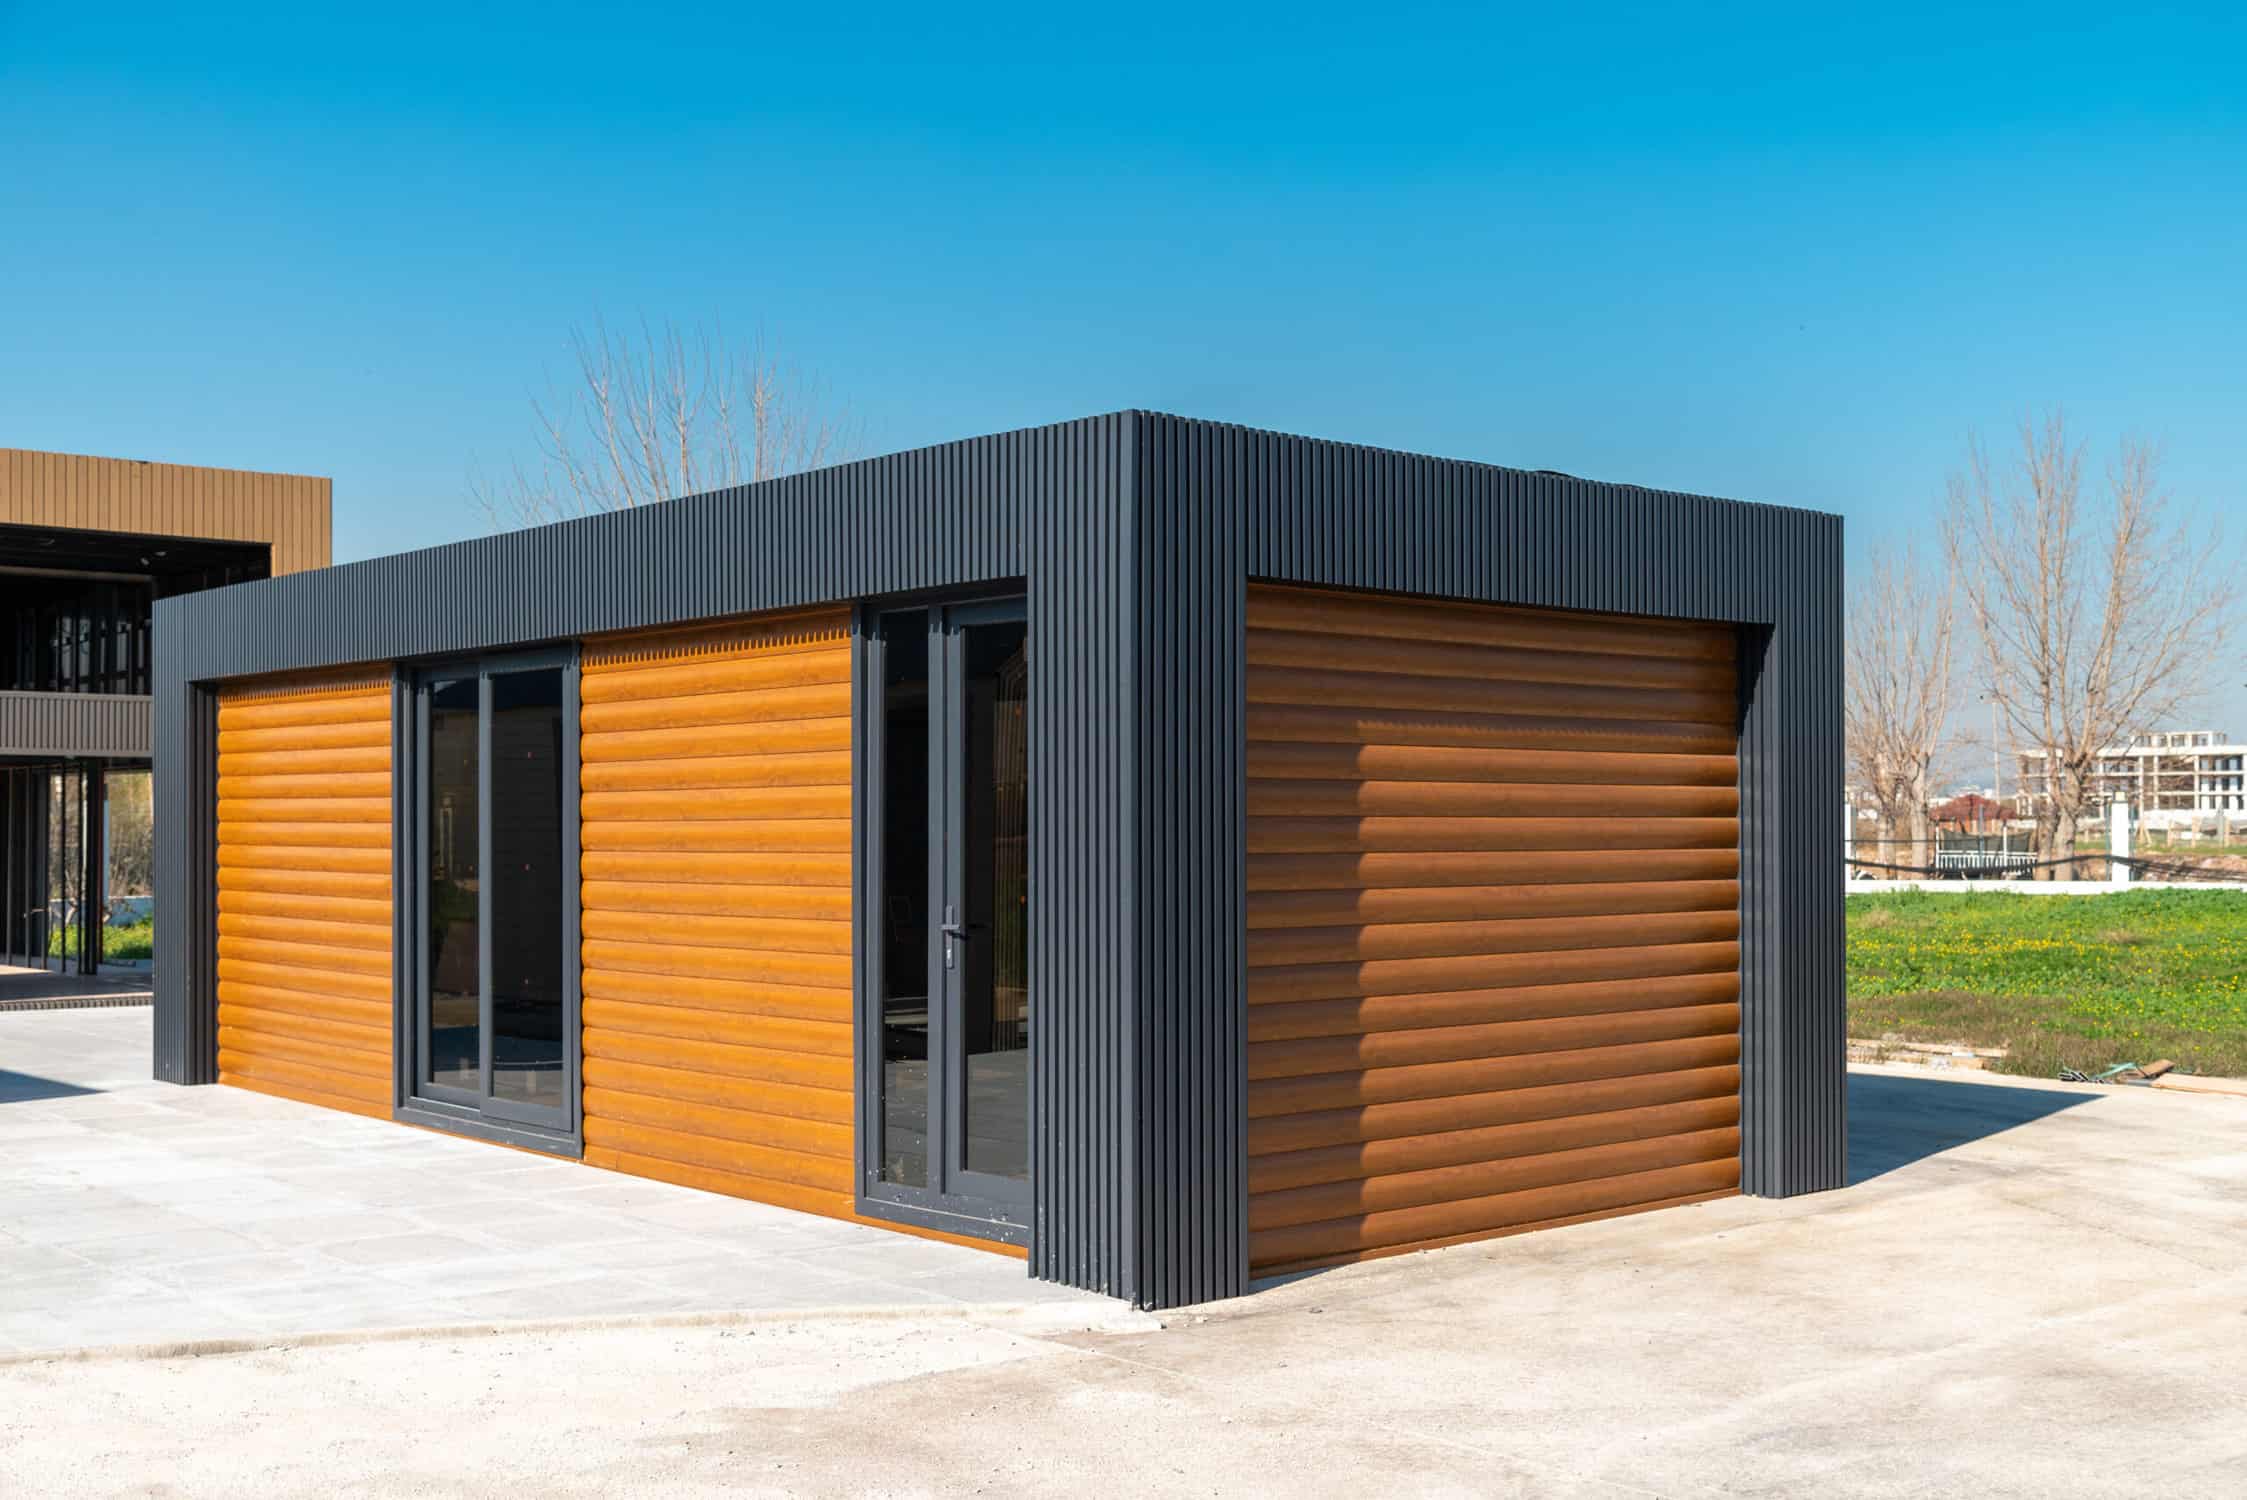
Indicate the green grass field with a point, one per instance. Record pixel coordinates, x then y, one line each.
118 944
2062 981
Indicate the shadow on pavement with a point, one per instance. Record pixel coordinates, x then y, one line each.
23 1088
1894 1122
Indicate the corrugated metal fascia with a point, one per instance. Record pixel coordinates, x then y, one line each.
105 725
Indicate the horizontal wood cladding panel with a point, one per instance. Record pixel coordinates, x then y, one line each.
754 934
716 827
358 885
721 868
814 664
304 889
812 1137
824 701
779 1033
734 997
371 937
819 903
1368 1014
1394 656
1302 1057
311 739
1465 1218
235 782
1493 919
284 762
699 1148
718 771
1417 976
721 804
1430 835
1384 940
1368 617
813 970
1507 1173
1293 685
1378 871
1650 1075
1577 1122
683 1086
319 908
1486 799
1281 911
265 835
710 836
1496 727
1285 761
720 741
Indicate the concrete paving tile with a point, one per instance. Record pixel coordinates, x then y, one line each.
21 1263
604 1296
224 1273
172 1247
110 1221
328 1225
403 1249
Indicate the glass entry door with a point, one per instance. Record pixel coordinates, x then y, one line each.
948 1009
491 856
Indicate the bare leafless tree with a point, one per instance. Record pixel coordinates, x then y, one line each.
1898 690
2096 619
665 413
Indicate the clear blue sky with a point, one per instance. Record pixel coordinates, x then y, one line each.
1777 255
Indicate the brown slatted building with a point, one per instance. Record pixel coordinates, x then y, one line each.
1166 852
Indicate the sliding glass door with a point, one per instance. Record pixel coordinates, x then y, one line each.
490 825
946 846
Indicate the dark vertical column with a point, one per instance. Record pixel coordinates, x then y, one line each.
1084 991
184 793
1794 1116
93 876
1191 1028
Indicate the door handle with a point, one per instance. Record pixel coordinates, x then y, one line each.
958 930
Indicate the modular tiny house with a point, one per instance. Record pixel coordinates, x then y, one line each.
1171 852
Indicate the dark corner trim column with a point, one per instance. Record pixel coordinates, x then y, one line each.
1189 925
186 814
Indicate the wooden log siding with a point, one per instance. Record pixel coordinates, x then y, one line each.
1493 911
304 898
716 801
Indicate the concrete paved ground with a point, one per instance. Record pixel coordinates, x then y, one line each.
133 1212
2031 1290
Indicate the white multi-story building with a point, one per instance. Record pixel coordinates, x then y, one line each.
2171 771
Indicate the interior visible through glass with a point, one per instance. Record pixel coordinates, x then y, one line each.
904 916
995 989
455 877
526 865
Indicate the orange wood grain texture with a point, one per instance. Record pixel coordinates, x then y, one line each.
715 806
304 900
1493 911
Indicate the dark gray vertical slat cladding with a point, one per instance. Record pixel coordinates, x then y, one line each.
1199 487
